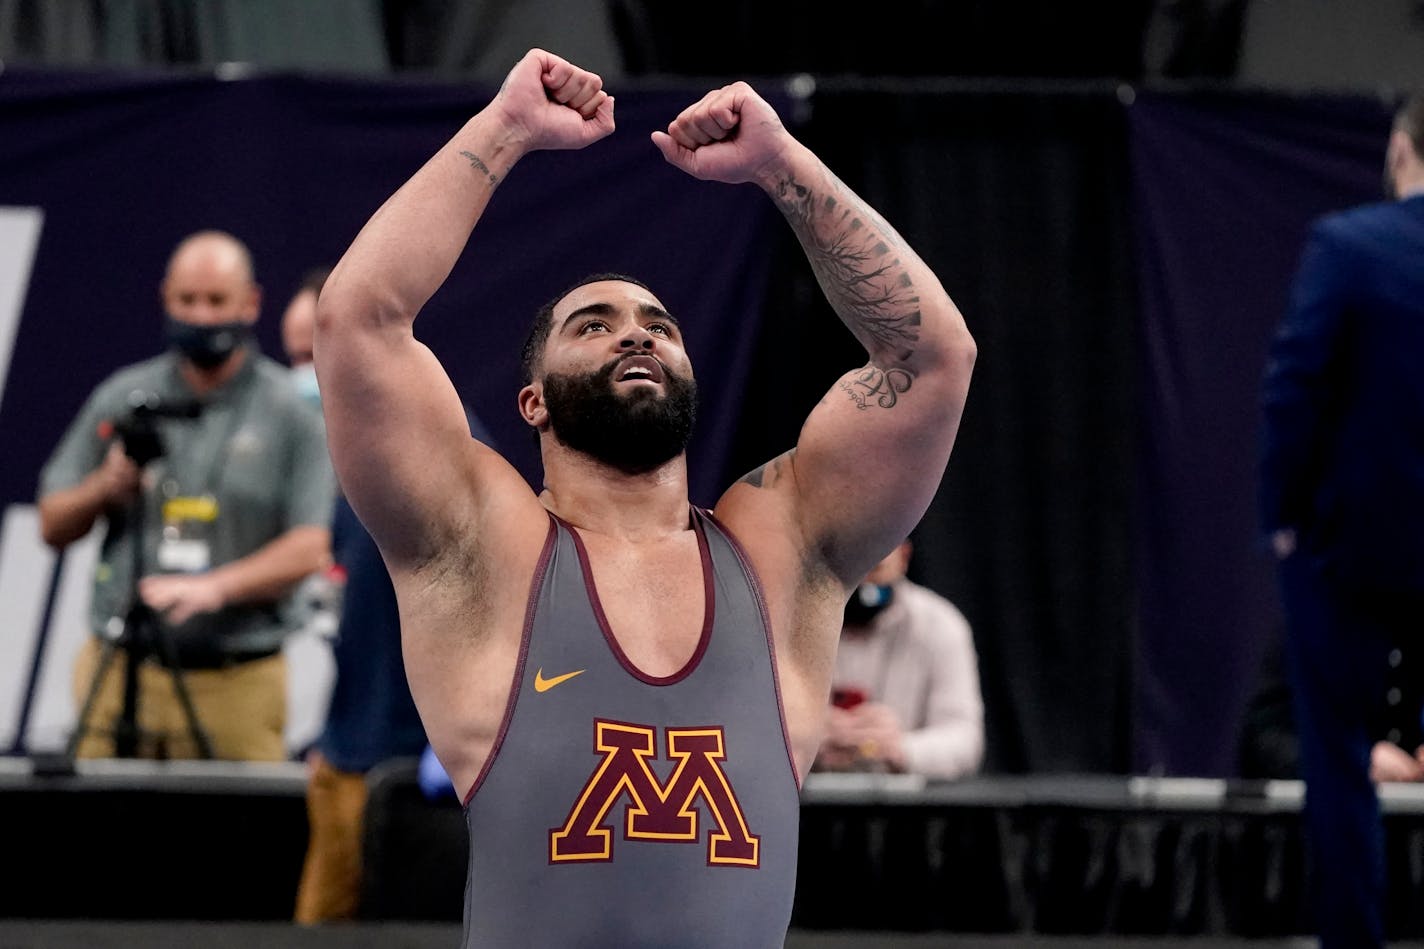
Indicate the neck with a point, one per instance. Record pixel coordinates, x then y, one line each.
204 380
602 499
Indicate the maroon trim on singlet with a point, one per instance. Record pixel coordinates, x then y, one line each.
535 584
709 610
755 582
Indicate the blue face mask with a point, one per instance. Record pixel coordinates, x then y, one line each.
205 346
304 381
867 602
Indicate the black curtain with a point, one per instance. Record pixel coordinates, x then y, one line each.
1017 200
484 37
901 38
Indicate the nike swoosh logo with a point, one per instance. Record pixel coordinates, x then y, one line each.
542 684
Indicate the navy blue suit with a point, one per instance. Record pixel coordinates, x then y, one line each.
1343 466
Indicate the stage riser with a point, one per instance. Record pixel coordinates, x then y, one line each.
181 848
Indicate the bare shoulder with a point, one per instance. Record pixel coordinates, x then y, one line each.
804 597
802 591
759 510
462 618
500 540
467 598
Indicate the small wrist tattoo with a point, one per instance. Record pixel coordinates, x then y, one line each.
479 165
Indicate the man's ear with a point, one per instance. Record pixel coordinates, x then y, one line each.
254 303
531 405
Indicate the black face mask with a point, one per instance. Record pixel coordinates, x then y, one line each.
867 602
634 431
205 346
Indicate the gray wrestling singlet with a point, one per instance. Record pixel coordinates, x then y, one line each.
621 810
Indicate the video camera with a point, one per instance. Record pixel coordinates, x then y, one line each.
138 430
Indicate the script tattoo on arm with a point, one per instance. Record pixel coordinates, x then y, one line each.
854 253
477 164
880 386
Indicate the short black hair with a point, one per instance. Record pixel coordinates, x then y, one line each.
1410 120
544 321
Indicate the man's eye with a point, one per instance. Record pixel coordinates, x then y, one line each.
592 324
659 328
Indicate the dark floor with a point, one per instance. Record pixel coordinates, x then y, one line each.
24 934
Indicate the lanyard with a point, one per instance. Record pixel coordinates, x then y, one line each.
239 408
234 425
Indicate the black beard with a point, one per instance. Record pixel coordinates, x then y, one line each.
633 432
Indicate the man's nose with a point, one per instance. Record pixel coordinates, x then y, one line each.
636 337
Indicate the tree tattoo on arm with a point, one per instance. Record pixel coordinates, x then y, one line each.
853 252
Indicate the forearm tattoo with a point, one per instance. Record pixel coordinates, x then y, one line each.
853 252
480 166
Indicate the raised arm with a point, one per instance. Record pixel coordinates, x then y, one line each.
870 456
397 432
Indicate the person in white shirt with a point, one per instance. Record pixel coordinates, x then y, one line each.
905 696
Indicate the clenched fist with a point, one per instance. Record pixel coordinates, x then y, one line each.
730 135
549 103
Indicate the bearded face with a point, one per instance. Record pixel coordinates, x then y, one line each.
617 417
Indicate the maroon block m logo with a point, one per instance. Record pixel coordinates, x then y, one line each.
655 811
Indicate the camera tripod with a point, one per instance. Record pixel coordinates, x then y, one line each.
141 636
140 633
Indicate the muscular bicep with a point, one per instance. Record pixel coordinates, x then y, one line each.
399 439
869 460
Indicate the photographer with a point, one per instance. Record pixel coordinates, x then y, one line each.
232 500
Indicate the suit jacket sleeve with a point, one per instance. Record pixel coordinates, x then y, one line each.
1300 392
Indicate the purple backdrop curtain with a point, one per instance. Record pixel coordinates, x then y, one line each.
1223 187
124 166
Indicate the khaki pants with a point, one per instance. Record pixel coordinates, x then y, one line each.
331 876
242 708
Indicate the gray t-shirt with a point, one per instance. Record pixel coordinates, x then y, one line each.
256 449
